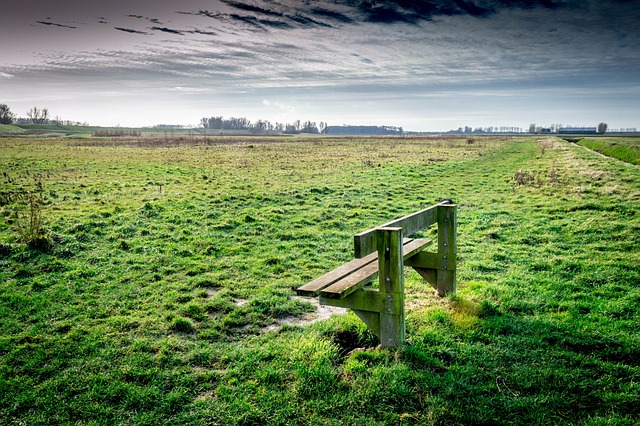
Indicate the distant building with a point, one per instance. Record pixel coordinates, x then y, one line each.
545 131
578 130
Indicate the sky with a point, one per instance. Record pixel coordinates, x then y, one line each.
426 65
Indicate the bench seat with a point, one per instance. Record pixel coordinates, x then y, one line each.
353 275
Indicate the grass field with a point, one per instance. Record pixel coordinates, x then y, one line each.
160 288
625 149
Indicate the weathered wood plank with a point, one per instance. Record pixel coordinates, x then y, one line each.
313 288
428 260
365 300
447 245
414 247
391 283
350 283
343 287
365 242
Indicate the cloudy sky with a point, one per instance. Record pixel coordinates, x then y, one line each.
423 65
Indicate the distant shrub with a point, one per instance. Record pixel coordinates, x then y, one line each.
28 221
523 177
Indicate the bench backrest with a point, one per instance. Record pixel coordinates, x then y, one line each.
365 242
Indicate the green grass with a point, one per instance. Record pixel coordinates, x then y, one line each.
10 129
625 149
173 260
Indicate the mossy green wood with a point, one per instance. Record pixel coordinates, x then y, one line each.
314 287
439 269
391 283
447 246
365 242
382 310
357 278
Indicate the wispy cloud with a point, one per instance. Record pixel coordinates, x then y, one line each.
167 30
55 24
279 106
129 30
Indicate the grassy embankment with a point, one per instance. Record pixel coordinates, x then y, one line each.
8 129
625 149
168 266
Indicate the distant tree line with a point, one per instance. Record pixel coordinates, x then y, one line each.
364 130
485 130
35 115
261 126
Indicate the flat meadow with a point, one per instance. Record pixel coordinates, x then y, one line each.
151 280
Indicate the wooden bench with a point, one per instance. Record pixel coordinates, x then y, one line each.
384 251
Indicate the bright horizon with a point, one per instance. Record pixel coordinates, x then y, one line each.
426 66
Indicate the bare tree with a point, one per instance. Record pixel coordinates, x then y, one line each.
6 116
38 116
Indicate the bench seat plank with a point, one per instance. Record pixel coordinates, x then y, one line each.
347 285
343 287
313 288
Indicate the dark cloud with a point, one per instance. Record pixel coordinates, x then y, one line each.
298 18
252 8
202 32
53 24
407 11
259 23
201 12
305 21
129 30
331 14
298 14
166 30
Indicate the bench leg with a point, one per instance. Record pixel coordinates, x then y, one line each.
447 247
391 283
439 269
382 310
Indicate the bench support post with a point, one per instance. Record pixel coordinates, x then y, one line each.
391 284
439 269
382 310
447 221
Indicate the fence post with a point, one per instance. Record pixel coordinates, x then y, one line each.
391 284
